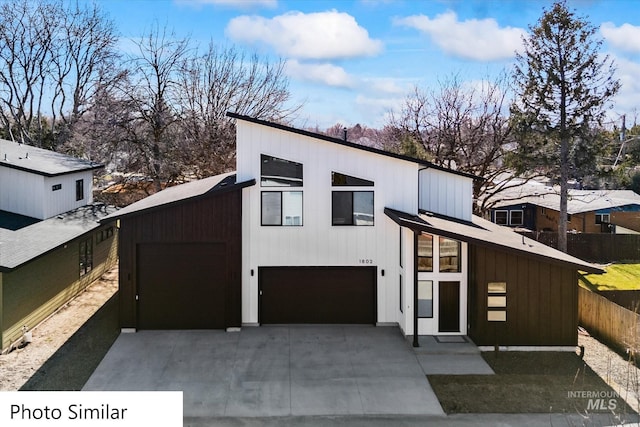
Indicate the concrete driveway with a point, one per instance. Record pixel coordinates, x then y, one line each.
276 371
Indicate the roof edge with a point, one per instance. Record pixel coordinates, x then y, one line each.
348 144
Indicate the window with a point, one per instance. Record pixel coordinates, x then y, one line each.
497 301
603 218
569 217
275 172
516 218
401 296
79 190
352 208
281 208
104 234
425 298
449 255
56 187
86 256
341 180
501 217
401 247
425 252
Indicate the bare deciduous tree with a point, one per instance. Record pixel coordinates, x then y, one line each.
50 56
460 127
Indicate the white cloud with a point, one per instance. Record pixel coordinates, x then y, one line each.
387 85
239 4
327 74
627 98
476 39
322 35
625 37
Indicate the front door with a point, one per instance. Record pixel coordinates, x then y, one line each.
449 307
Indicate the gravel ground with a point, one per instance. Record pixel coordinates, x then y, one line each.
622 376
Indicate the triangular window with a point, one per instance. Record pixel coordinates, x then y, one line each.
341 180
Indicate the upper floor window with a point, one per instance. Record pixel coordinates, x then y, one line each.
516 218
501 217
449 255
56 187
425 252
604 218
79 189
276 172
352 208
341 180
281 208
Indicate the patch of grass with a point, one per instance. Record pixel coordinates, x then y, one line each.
526 382
621 277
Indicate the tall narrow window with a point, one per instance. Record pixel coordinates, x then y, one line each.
449 255
86 256
79 189
425 252
401 295
425 298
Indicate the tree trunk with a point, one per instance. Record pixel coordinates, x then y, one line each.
564 194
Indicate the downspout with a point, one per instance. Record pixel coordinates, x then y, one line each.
415 289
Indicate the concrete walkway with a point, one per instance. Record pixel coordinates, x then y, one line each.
286 370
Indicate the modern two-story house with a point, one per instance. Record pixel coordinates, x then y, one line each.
313 229
51 243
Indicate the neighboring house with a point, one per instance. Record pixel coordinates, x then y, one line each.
537 208
51 243
313 229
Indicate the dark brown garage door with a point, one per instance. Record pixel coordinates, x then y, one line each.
181 286
317 295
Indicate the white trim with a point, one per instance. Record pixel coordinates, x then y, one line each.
511 216
234 329
128 330
250 325
528 348
495 216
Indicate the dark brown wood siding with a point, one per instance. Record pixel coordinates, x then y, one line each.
542 300
212 219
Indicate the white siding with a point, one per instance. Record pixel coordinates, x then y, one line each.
31 194
446 194
22 193
317 242
64 200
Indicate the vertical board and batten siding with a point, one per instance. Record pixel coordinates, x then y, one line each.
64 200
33 291
317 242
446 194
542 300
209 220
22 193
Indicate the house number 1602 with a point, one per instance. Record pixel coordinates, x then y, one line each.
365 261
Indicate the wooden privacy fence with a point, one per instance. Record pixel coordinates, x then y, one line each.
610 322
595 247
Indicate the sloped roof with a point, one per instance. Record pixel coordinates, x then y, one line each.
485 233
27 243
40 161
213 185
579 200
348 144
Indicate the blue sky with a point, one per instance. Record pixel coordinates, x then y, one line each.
354 61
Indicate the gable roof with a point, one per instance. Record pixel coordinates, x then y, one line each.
217 184
485 233
28 243
346 143
579 201
40 161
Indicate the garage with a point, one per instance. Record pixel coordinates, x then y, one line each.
181 285
340 295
